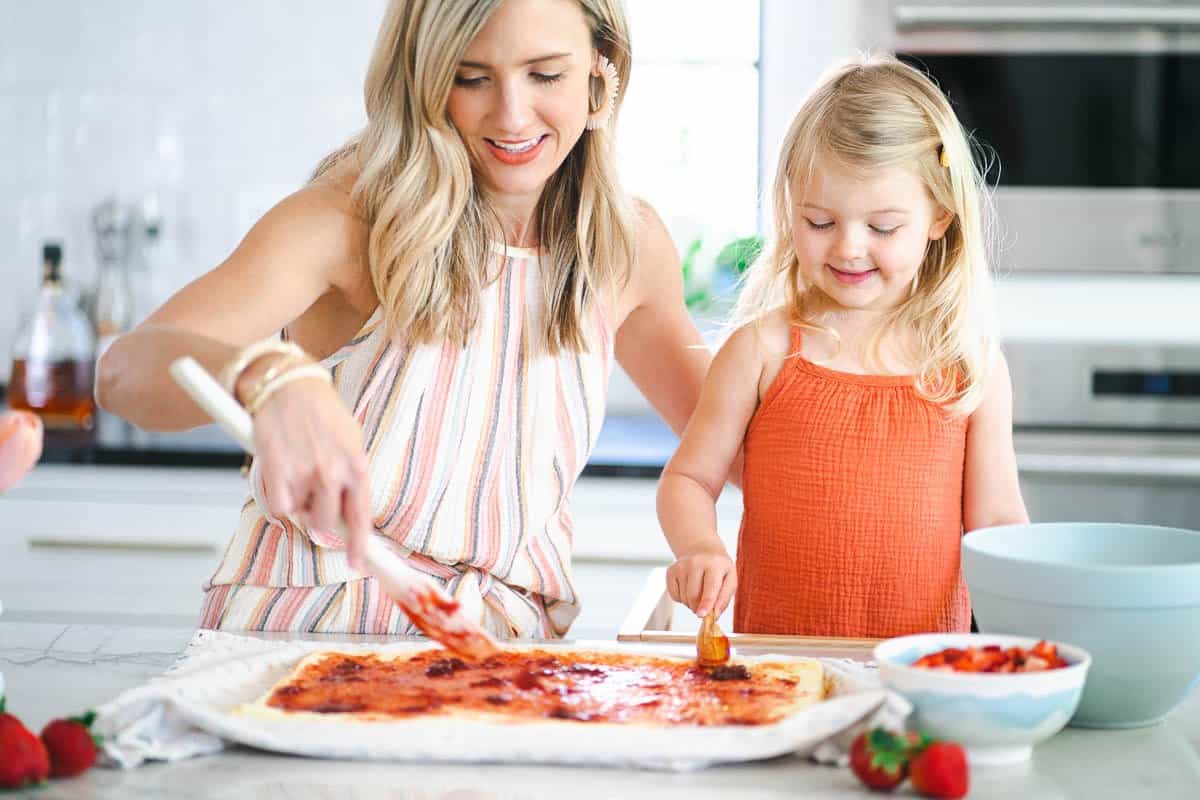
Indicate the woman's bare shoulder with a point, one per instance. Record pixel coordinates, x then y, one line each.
322 220
332 192
339 179
649 229
654 281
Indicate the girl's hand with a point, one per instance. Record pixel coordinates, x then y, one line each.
310 453
704 581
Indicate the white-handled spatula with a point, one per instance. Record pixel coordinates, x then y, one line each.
424 601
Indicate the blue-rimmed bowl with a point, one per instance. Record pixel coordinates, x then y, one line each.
1130 594
997 717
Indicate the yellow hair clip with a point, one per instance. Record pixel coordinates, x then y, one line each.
943 156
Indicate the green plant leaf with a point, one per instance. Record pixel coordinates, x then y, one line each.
739 254
688 262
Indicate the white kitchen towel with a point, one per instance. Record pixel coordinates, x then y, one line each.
185 713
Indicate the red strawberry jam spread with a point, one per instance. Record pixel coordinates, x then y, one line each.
581 686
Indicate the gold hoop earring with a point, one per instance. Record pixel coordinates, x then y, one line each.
607 73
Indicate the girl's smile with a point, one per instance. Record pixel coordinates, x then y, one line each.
852 278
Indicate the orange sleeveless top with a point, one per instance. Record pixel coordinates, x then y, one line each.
853 497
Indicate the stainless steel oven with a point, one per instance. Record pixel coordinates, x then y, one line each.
1108 432
1093 111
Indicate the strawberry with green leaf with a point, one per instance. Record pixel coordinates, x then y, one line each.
71 744
879 758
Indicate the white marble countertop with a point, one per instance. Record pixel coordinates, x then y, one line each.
52 670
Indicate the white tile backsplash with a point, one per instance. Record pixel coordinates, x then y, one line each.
223 107
220 107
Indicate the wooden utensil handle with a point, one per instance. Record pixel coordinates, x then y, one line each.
765 640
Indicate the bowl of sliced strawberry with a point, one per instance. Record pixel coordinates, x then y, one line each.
997 695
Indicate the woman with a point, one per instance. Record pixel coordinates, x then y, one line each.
464 271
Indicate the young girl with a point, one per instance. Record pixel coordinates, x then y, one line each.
863 381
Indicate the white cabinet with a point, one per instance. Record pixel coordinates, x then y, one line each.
131 544
80 584
607 589
113 544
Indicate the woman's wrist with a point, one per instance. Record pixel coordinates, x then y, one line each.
248 356
252 376
271 384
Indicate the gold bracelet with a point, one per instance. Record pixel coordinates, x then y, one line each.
248 355
267 389
278 367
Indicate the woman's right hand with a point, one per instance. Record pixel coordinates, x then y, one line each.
310 455
704 581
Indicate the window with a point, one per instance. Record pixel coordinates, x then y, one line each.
688 137
688 143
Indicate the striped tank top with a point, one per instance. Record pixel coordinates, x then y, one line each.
472 455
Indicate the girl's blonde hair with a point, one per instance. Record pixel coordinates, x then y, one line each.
880 113
430 225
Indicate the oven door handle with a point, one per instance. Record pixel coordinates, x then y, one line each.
1123 465
971 16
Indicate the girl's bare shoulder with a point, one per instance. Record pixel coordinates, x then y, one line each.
775 330
755 345
768 337
759 348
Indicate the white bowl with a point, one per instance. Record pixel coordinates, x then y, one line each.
997 717
1130 594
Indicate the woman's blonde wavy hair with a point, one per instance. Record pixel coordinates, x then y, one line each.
878 113
430 225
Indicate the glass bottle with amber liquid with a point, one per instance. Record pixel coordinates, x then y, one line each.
54 354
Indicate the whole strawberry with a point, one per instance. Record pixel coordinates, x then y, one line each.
71 745
879 759
940 770
23 758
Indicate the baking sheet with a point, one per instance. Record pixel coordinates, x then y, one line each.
187 711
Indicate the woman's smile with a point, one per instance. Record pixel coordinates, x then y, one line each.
515 152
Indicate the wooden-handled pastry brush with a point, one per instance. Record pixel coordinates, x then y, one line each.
712 646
